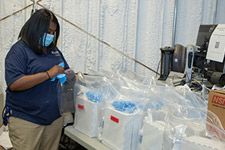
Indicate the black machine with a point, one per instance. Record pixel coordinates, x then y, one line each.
204 34
212 70
166 62
192 58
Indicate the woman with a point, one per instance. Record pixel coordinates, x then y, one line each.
32 96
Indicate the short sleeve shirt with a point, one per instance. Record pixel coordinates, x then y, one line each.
38 104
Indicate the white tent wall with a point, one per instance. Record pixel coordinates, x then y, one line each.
10 28
138 28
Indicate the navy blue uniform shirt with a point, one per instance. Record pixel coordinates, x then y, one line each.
38 104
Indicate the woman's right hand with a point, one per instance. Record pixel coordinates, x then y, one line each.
55 70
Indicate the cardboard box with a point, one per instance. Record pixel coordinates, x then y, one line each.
216 104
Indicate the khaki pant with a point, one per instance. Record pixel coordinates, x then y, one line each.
26 135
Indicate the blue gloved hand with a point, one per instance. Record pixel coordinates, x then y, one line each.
61 77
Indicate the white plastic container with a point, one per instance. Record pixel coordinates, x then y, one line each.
121 130
152 137
200 143
87 116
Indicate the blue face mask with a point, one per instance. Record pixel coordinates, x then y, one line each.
47 40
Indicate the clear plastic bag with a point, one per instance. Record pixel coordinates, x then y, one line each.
66 101
122 123
91 94
185 123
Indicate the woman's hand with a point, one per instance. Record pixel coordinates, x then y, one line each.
29 81
55 70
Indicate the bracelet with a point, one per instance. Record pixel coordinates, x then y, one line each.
48 75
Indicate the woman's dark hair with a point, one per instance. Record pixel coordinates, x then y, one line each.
33 30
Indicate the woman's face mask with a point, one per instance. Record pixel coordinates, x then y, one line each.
47 39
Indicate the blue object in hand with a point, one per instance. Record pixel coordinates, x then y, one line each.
124 106
6 116
61 77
